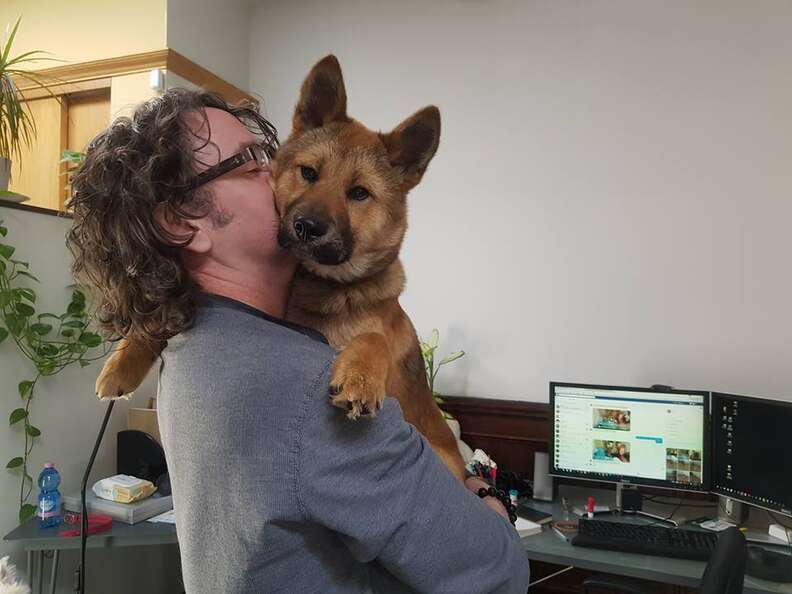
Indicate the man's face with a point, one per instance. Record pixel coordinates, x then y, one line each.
243 225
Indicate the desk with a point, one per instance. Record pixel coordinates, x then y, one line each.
37 540
550 548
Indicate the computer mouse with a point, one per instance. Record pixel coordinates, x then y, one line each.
768 565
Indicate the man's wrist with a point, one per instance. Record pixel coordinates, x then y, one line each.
474 483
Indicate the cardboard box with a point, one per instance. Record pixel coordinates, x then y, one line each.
144 419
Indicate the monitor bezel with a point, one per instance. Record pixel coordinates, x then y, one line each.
706 462
713 488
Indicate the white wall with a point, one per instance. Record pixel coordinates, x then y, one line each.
69 416
612 193
212 33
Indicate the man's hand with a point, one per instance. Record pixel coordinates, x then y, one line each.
474 484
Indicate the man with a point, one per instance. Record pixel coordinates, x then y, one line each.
274 489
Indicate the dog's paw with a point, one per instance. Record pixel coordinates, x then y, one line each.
117 380
356 394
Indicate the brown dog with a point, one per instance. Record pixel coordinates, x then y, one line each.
341 191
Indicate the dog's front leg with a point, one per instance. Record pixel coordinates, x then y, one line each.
126 368
360 374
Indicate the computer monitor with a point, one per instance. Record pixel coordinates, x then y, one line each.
639 436
752 461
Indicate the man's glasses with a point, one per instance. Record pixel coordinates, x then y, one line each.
262 153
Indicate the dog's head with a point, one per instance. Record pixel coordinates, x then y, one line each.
341 188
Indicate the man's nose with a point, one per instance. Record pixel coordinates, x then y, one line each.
309 229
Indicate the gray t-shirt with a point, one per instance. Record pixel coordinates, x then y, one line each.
275 490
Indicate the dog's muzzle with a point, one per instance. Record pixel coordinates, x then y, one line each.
314 239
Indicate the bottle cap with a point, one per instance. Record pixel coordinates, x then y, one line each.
49 465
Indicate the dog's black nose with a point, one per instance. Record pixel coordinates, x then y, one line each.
308 229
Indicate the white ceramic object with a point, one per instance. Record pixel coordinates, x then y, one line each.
464 449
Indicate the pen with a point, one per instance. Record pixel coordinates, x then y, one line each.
561 534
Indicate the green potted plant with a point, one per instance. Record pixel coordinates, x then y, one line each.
428 348
17 127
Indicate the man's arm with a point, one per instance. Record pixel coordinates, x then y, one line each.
378 484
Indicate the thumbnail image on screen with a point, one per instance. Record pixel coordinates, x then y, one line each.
617 419
615 451
683 466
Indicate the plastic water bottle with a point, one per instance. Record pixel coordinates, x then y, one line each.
49 499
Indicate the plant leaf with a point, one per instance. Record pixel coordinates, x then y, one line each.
6 251
90 339
47 350
28 294
17 415
84 363
15 462
434 338
24 310
26 512
20 263
10 41
74 324
67 332
25 388
75 308
3 334
452 357
15 324
3 231
33 431
41 329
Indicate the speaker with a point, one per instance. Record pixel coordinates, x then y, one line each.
544 486
138 454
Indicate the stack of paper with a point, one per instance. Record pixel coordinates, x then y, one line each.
526 527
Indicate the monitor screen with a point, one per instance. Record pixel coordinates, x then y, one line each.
751 460
635 435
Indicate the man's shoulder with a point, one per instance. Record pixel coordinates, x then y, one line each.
259 347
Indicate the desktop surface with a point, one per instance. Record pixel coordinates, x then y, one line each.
548 547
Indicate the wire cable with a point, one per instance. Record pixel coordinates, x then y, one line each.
83 507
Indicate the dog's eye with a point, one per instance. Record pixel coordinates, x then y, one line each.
359 193
309 174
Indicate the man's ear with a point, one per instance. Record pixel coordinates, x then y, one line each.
322 97
189 234
413 143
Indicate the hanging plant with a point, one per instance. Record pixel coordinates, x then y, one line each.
50 342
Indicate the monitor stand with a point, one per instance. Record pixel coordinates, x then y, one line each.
629 501
731 510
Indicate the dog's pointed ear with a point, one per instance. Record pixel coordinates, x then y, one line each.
413 143
322 97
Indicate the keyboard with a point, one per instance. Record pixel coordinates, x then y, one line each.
645 539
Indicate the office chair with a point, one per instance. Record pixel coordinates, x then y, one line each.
724 573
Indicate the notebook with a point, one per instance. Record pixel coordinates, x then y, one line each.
534 515
526 527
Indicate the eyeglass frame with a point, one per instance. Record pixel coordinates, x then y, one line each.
247 154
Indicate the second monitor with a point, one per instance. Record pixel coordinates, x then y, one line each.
630 435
